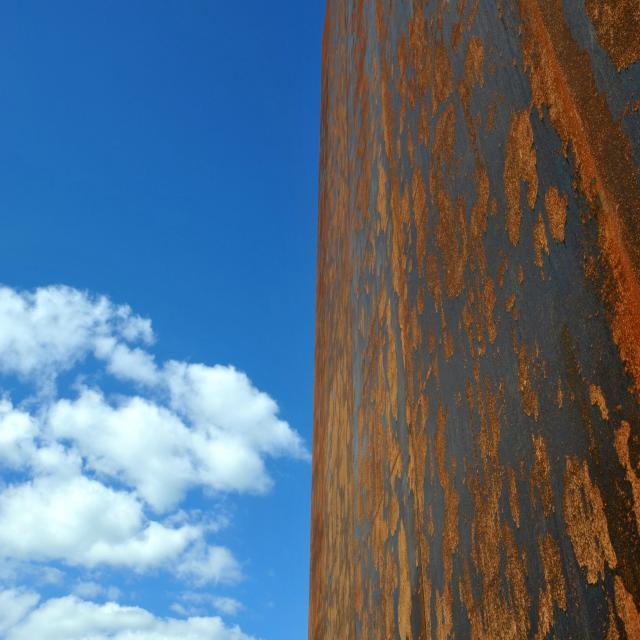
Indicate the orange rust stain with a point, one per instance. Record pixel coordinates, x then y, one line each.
502 610
491 116
382 195
559 394
451 233
480 209
540 244
444 599
404 587
561 78
412 220
442 77
509 302
528 393
586 522
514 503
489 303
622 449
541 475
612 631
627 610
473 62
597 398
556 207
519 166
419 200
554 591
617 24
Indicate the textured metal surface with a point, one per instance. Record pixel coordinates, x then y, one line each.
477 427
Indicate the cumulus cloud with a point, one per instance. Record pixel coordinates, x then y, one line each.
15 604
127 363
136 441
221 401
71 618
82 522
98 479
17 431
48 330
196 425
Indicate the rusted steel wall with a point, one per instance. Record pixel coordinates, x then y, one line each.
477 420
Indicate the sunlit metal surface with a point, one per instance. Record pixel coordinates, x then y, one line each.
477 426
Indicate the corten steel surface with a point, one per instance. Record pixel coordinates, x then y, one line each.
477 418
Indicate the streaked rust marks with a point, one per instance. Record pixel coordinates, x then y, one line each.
556 207
562 81
631 473
597 399
404 586
528 392
586 521
553 594
627 610
540 243
477 392
519 166
541 475
617 24
514 501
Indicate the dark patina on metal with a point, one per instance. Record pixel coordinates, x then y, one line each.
476 466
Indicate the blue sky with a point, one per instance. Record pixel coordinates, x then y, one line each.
164 155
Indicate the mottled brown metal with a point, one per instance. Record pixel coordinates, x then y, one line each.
476 467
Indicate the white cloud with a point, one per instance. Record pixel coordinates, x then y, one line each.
98 480
81 522
204 564
17 431
215 435
48 330
71 618
229 606
92 590
14 606
137 442
221 401
197 603
126 363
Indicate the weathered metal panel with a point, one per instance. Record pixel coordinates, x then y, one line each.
477 427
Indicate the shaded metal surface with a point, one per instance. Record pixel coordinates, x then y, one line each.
477 428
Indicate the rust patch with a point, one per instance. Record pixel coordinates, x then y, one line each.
514 502
586 521
556 207
527 391
553 593
617 24
404 586
474 61
597 398
519 166
540 244
627 610
541 475
622 449
561 79
462 485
